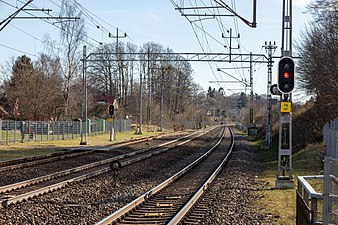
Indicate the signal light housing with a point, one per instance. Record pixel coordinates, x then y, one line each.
111 109
286 75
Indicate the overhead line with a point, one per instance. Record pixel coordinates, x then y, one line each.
205 33
53 24
208 45
13 15
108 31
8 47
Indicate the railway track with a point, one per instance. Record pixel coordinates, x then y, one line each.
49 165
170 201
44 159
17 192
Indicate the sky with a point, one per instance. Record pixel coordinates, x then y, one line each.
158 21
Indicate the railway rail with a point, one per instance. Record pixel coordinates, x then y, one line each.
17 192
170 201
41 166
71 153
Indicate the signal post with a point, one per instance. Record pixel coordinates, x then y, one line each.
286 78
286 75
111 130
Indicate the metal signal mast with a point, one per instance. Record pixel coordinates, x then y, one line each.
285 85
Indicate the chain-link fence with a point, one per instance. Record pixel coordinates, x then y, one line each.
330 136
27 131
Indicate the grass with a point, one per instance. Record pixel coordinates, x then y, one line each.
281 204
27 149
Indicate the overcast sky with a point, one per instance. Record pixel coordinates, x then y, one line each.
159 22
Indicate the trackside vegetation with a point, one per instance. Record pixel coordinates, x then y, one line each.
281 204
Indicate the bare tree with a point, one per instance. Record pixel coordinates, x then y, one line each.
102 72
318 66
317 70
72 36
37 88
52 98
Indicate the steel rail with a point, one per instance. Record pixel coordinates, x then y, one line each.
33 181
11 200
32 158
51 188
134 204
183 212
37 160
44 161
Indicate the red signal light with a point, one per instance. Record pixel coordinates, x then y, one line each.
111 109
286 75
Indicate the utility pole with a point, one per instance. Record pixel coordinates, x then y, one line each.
84 100
284 171
149 90
161 102
139 127
270 49
251 93
118 70
117 56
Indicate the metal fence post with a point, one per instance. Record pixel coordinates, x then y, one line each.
1 131
314 211
7 128
326 191
330 208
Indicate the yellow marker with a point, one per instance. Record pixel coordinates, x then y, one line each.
285 107
110 119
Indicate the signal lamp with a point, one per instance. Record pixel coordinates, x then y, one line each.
286 75
111 109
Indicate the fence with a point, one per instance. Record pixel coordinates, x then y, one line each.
321 208
330 136
309 202
28 131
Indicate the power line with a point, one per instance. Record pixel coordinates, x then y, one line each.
54 24
45 19
12 16
211 10
91 16
27 53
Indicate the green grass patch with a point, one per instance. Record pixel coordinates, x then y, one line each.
281 204
309 160
23 153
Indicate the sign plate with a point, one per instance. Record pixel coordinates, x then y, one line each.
110 119
285 107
